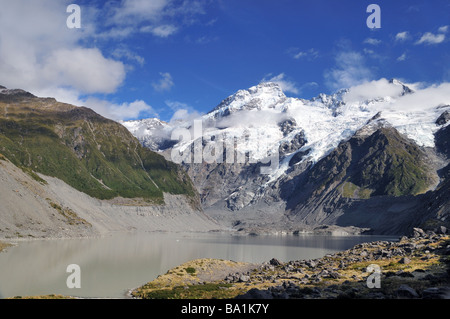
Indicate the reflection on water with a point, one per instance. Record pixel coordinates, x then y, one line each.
113 264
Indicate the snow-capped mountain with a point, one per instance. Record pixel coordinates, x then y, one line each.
313 159
152 133
268 120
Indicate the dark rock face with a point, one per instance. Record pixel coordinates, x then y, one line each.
405 291
442 141
297 142
14 95
287 126
367 172
444 118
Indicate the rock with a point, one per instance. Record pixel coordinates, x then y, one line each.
405 291
293 145
244 278
334 275
289 268
256 294
404 274
375 295
418 232
405 260
436 293
443 118
275 262
287 126
431 234
442 230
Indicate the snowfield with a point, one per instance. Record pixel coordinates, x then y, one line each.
253 118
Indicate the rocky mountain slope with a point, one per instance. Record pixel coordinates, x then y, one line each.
66 171
90 153
362 157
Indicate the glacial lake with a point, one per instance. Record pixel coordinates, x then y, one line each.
113 264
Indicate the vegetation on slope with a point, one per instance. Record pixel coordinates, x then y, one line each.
90 153
384 163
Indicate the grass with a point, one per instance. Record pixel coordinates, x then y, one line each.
348 190
205 291
4 246
190 270
90 153
351 282
384 163
70 215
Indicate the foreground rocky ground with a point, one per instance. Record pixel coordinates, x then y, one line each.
414 267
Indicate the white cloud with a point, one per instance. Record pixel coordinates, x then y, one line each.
162 31
297 54
38 51
114 111
372 41
424 98
285 84
162 18
430 38
372 90
182 112
125 53
402 36
350 70
165 83
137 11
86 70
402 57
368 51
444 29
124 111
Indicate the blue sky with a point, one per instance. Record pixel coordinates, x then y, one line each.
150 58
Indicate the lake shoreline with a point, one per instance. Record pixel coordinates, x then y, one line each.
113 265
416 267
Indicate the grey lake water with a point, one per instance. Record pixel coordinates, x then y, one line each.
113 264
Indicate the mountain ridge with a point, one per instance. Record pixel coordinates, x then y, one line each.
89 152
390 155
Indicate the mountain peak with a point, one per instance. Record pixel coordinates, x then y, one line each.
406 89
267 87
13 94
264 95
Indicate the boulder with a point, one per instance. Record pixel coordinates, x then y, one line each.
275 262
256 294
436 293
405 260
405 291
418 232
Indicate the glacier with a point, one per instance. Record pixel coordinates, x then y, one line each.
255 115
